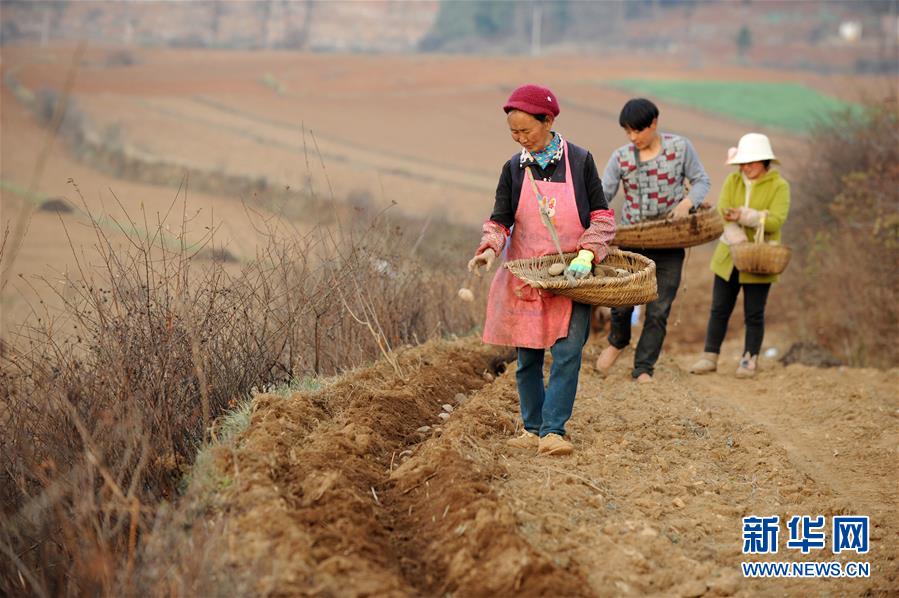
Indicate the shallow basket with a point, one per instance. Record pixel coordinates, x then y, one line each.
760 258
636 288
701 226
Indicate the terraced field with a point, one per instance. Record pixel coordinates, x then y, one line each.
362 488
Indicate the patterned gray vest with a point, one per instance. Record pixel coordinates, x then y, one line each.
652 188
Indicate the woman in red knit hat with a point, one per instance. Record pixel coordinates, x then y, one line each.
559 178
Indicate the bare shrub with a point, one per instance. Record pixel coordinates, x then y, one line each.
105 403
120 58
844 229
360 200
56 204
73 121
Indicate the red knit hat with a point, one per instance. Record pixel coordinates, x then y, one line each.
533 99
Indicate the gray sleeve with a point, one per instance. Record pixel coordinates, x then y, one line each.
610 179
696 174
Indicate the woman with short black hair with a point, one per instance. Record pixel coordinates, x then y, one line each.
652 171
638 114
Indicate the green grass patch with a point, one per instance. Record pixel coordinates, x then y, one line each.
22 192
205 479
297 385
273 83
789 106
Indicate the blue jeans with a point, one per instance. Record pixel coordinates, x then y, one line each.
546 410
669 263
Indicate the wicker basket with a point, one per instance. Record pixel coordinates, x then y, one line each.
760 258
702 226
636 288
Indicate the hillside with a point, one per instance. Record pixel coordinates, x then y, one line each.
342 491
821 36
383 26
342 195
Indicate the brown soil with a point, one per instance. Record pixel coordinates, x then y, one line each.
423 131
337 492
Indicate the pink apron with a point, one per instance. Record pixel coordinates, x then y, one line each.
519 315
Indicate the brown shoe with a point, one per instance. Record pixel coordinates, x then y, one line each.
707 363
645 378
555 445
526 440
748 367
607 359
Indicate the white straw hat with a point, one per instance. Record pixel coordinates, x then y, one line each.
753 147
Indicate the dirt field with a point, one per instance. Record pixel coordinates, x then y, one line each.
426 132
53 239
423 131
341 491
336 491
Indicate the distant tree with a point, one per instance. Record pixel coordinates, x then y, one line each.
297 35
498 22
636 8
9 31
478 19
265 15
873 7
217 9
558 17
490 17
744 41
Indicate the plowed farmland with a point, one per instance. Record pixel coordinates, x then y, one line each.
397 480
361 488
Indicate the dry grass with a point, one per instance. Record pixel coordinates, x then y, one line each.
844 228
106 402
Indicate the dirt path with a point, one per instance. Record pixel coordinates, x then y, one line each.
343 491
832 426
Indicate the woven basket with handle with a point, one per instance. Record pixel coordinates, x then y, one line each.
637 287
759 257
701 226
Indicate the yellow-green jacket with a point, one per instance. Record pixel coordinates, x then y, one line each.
770 192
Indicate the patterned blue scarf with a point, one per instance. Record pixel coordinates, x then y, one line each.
551 153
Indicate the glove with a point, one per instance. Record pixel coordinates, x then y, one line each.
733 234
750 217
580 266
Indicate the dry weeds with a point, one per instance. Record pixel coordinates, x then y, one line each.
107 400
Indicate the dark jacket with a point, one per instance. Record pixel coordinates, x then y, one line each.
587 185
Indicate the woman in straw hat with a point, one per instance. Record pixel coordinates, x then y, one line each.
752 196
559 179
